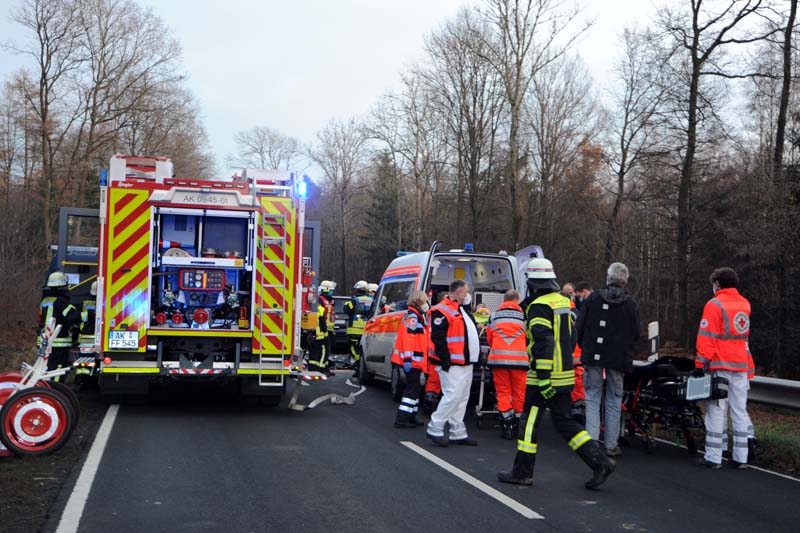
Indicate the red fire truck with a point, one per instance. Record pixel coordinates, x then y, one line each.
199 279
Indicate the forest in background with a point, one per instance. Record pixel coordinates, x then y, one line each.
684 161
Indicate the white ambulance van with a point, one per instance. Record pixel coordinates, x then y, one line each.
489 275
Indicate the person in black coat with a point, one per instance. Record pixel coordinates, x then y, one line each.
607 330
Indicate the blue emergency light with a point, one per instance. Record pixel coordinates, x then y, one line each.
302 188
103 177
469 247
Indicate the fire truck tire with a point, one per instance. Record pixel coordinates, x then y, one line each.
364 377
70 395
36 421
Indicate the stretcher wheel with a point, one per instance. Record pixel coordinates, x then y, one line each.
649 443
691 442
36 421
69 394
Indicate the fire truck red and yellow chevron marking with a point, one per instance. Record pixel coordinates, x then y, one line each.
275 277
128 256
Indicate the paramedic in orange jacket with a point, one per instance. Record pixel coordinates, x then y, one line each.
456 348
410 353
508 359
722 348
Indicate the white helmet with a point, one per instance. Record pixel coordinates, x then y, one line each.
327 286
540 268
57 279
372 287
540 274
93 290
360 285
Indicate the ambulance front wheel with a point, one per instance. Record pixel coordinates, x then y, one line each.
36 421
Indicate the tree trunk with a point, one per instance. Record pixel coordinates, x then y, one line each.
780 207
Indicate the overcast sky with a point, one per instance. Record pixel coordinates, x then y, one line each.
295 64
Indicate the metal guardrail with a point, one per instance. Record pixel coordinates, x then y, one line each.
774 391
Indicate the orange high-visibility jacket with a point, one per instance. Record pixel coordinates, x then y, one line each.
447 317
722 340
506 335
412 340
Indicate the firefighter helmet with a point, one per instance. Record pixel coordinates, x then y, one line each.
360 285
540 268
372 287
93 290
540 274
327 286
57 279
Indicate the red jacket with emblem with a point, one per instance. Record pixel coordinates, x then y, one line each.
411 343
508 346
722 340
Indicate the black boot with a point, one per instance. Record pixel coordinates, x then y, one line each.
522 472
507 428
416 421
403 420
752 447
517 429
601 465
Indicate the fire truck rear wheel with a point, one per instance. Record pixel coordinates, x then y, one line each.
36 421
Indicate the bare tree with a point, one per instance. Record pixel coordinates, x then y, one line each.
560 116
526 36
263 147
55 47
341 154
467 92
701 36
634 121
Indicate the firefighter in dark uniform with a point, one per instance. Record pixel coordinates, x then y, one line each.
356 309
86 337
326 290
318 354
55 304
550 380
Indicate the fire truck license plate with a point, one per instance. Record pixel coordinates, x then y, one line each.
123 340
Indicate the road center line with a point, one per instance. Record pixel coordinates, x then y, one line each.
478 484
71 516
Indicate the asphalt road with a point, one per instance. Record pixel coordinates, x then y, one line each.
204 465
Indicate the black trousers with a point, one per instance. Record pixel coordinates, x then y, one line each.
570 429
409 404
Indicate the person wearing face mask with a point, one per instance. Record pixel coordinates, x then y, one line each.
410 353
723 349
456 348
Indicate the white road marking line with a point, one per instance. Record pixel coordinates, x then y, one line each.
71 516
749 466
478 484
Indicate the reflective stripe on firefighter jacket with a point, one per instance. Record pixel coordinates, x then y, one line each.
88 314
411 343
322 329
330 312
356 309
448 334
722 339
66 316
506 336
550 344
